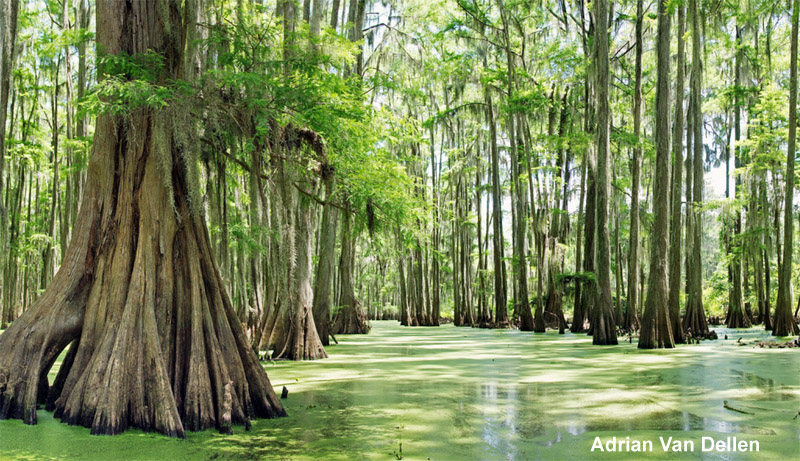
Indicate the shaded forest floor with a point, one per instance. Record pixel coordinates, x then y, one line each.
460 393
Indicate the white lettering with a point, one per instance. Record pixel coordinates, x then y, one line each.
597 444
665 443
707 444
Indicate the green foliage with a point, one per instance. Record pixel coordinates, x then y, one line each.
134 82
577 277
767 130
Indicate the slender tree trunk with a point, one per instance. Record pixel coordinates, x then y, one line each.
501 310
631 315
689 164
676 226
784 321
578 315
656 329
356 30
351 318
694 320
586 291
559 223
737 317
604 329
48 255
522 309
65 206
315 23
335 7
617 261
483 309
9 12
404 315
455 253
435 275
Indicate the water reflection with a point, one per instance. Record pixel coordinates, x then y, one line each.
460 393
502 394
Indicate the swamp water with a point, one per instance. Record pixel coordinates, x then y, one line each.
462 393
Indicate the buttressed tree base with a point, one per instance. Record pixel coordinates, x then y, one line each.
153 340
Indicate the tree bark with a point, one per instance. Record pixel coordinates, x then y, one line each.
656 329
694 320
298 339
784 321
584 293
676 225
351 318
603 318
578 314
501 310
335 7
315 23
631 314
139 295
9 12
737 317
323 281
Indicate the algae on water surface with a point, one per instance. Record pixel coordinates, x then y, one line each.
462 393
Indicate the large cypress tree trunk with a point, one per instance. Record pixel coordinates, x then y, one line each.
694 320
677 180
296 180
656 329
784 321
604 328
351 318
155 343
323 281
299 339
260 299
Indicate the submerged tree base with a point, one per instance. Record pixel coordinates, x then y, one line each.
155 342
351 320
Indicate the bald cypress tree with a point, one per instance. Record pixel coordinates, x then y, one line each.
631 314
694 319
656 330
737 317
784 321
677 180
153 340
9 12
604 325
